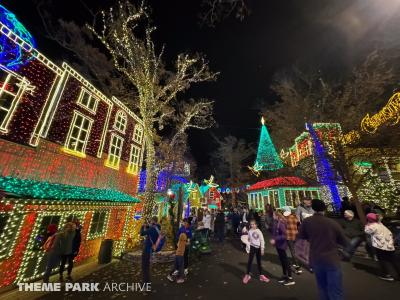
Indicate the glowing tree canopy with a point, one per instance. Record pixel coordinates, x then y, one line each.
12 55
326 175
267 157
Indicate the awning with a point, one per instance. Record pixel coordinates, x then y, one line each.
28 188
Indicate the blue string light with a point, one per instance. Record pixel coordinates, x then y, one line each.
11 54
325 173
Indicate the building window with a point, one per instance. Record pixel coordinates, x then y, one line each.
88 101
11 90
120 121
78 134
138 134
133 166
115 151
97 226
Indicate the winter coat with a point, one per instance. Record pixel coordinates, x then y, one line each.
381 236
279 234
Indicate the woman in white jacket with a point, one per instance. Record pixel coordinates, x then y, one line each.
207 220
382 241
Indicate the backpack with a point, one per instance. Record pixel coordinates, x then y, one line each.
49 243
159 244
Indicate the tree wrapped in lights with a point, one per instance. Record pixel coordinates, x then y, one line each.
156 88
267 158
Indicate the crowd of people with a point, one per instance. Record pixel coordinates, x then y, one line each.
303 237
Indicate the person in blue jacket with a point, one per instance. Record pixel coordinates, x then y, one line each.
150 232
185 228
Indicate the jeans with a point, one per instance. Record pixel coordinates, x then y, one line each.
52 262
353 245
220 233
293 253
257 252
387 259
287 271
67 259
186 258
329 281
179 263
146 266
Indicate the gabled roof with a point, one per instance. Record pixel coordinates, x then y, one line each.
278 182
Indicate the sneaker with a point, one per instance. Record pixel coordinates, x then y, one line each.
289 281
387 278
298 271
180 280
246 278
170 278
264 278
282 279
186 272
176 272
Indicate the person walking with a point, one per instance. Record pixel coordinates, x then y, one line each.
187 229
324 235
383 244
73 241
60 244
235 222
304 210
179 259
219 226
291 234
279 240
150 232
257 244
354 231
207 221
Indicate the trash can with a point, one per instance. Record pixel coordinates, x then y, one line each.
105 253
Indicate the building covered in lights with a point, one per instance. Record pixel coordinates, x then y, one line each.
67 152
279 192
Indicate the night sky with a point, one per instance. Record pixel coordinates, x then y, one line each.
330 35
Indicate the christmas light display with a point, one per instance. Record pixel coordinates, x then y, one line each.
324 170
267 157
12 55
279 192
389 113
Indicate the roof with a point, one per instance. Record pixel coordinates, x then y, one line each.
278 182
29 188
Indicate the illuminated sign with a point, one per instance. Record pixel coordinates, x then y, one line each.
390 113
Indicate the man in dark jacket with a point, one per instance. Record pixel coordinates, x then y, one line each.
324 235
69 258
354 231
219 225
150 232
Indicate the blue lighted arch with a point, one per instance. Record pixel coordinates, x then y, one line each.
11 54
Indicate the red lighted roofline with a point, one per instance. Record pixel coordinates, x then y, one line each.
278 181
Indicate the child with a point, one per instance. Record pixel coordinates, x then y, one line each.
280 242
179 259
382 242
256 240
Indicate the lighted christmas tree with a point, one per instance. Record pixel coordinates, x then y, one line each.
267 157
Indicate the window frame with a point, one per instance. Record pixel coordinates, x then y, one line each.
114 164
71 127
118 123
131 165
92 234
22 85
93 109
138 128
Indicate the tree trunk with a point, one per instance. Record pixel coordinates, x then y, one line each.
151 178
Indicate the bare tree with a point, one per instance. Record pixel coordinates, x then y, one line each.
126 33
307 96
231 160
215 11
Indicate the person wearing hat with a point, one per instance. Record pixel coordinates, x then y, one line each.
324 235
354 231
383 244
304 210
291 234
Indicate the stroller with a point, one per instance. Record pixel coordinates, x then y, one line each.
200 243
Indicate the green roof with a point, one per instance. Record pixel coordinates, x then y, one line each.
29 188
